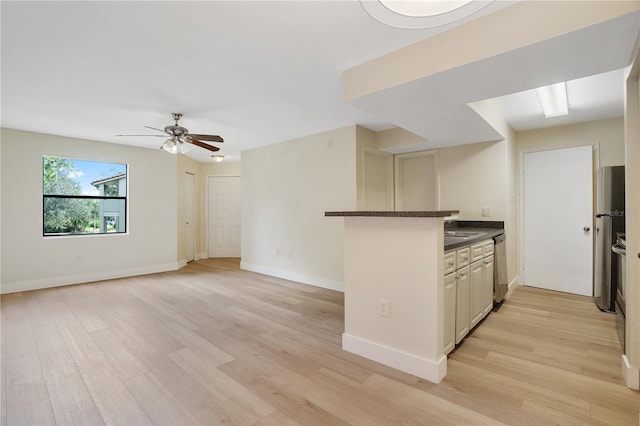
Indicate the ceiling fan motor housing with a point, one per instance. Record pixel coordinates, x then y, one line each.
176 130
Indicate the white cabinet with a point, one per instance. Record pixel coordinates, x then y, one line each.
456 297
481 282
468 290
462 257
449 262
462 303
476 309
487 284
449 338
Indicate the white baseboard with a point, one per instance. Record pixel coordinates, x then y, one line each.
431 370
16 286
293 276
512 286
631 374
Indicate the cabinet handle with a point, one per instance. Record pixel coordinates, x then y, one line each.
450 264
462 275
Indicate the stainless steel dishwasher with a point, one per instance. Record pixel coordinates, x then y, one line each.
500 278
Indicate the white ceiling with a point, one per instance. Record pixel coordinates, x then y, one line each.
255 73
590 98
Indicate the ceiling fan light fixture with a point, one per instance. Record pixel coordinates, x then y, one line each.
170 146
218 158
182 146
553 99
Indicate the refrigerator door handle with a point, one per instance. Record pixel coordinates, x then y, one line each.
603 215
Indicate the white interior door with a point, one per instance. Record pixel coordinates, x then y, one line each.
558 218
189 230
223 200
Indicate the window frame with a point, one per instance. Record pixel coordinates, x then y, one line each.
85 197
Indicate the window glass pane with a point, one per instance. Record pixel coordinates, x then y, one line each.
70 216
66 176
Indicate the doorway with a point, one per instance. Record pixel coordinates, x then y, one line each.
416 181
223 213
189 230
558 218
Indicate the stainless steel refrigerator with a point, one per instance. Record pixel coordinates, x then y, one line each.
609 222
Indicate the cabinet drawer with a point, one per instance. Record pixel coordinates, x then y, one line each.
449 262
487 248
462 257
477 251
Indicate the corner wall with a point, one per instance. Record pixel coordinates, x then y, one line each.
286 188
30 261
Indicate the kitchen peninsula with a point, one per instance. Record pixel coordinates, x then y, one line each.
394 289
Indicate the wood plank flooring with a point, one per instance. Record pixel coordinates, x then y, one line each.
212 345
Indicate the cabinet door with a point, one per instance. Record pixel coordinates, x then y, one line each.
487 284
476 308
462 304
449 335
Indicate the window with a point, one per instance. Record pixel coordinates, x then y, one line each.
82 197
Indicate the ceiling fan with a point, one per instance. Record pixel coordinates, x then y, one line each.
179 137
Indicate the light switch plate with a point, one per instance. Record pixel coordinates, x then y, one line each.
486 212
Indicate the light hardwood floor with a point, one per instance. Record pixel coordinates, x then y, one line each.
211 344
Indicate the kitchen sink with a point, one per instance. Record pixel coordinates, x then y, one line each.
461 234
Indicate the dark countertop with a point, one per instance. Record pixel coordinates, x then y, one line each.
436 213
482 230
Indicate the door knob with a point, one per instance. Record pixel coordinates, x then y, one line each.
586 229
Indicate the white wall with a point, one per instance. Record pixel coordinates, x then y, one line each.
606 137
31 261
286 188
472 177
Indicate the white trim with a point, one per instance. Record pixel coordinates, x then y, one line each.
431 370
182 263
293 276
511 288
631 375
27 285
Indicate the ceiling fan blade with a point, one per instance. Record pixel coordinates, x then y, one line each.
203 145
211 138
154 128
157 136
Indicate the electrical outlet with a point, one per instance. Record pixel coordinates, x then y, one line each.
383 308
486 212
76 258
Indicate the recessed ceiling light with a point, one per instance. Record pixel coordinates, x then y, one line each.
415 14
553 99
417 8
